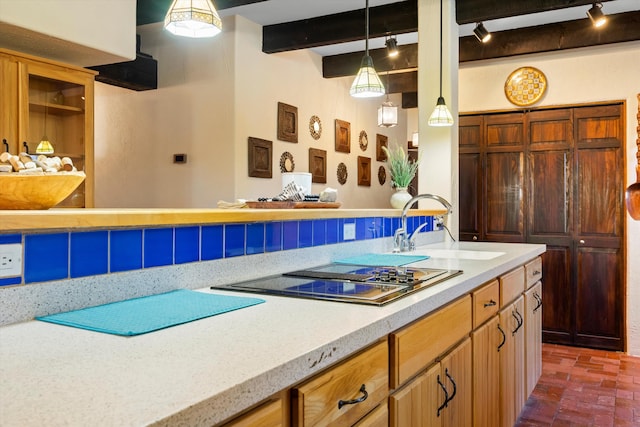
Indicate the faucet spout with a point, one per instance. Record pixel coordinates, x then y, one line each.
402 241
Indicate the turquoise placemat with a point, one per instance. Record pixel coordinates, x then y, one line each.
388 260
146 314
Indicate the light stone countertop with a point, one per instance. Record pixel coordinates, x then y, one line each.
202 372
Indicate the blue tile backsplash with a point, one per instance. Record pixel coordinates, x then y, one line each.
63 255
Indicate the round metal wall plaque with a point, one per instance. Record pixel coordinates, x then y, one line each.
363 140
286 162
342 173
525 86
382 175
315 127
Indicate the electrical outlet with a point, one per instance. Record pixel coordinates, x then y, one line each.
11 260
349 232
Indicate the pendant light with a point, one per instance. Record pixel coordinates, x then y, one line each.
367 84
44 147
193 18
441 115
387 112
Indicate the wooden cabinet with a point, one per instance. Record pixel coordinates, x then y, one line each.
512 359
485 302
441 396
345 393
554 176
533 336
47 98
487 342
379 417
269 414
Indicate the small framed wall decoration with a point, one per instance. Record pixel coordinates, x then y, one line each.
315 127
525 86
343 136
286 162
287 122
318 165
342 173
363 140
381 141
382 175
260 158
364 171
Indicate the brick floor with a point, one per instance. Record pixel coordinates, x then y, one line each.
584 387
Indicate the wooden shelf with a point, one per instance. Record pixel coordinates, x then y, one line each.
54 109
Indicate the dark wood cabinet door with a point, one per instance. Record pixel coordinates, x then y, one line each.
471 134
504 211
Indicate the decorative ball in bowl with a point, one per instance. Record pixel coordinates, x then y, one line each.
41 191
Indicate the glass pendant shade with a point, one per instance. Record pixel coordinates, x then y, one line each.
44 147
387 114
367 84
441 115
193 18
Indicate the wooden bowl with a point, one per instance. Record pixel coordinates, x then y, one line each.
20 191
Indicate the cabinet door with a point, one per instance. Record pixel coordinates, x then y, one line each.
379 417
456 374
9 103
511 363
471 131
504 195
533 336
487 341
416 402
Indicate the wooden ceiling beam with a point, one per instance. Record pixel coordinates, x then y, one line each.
392 18
347 64
471 11
621 27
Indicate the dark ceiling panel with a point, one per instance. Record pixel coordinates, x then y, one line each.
393 18
150 11
470 11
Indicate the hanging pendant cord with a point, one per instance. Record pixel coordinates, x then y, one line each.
440 48
366 28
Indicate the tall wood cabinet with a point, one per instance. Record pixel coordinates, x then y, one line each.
554 176
41 97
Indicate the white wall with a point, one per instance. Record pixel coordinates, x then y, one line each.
213 94
579 76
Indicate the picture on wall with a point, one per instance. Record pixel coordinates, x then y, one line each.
318 165
287 122
260 158
364 171
343 136
381 141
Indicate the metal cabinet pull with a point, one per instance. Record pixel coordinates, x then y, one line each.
475 237
446 372
519 319
491 303
513 313
504 337
446 396
537 272
364 396
537 297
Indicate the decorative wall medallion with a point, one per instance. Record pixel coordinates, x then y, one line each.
315 127
525 86
364 171
343 136
381 141
364 140
260 156
318 165
382 175
342 173
287 122
286 162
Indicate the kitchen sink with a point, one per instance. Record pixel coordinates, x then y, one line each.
350 283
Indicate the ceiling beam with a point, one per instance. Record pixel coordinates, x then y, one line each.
347 64
471 11
621 27
392 18
150 11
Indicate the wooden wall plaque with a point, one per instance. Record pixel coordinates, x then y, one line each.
260 158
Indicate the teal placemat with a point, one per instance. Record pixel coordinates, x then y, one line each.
141 315
388 260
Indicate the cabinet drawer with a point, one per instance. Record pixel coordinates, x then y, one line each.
269 414
316 402
533 271
415 346
485 302
511 286
379 417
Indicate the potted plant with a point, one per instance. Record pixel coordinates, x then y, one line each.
402 170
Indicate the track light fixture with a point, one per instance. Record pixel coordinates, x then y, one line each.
392 47
597 17
481 33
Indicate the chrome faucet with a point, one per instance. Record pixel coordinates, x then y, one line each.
402 242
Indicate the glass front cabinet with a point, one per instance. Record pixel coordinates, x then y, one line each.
43 99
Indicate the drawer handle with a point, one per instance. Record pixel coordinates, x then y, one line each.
504 338
364 396
491 303
537 297
446 396
446 372
537 272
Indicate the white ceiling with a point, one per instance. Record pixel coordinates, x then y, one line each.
278 11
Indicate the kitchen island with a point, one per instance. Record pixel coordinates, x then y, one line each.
205 372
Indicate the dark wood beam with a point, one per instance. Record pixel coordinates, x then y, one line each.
410 100
400 82
150 11
621 27
347 64
470 11
393 18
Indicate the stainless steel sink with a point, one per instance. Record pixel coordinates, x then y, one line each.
348 283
